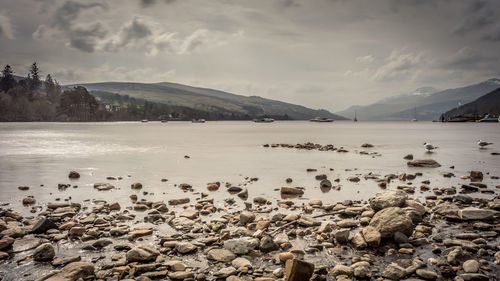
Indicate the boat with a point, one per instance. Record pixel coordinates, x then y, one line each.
163 121
355 116
489 119
321 119
414 115
263 120
144 120
198 121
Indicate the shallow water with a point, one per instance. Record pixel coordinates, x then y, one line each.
33 154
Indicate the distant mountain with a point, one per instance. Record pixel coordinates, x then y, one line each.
428 103
489 103
209 100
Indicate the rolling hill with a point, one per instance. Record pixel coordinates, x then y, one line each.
489 103
208 100
428 103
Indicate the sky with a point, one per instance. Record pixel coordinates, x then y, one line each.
326 54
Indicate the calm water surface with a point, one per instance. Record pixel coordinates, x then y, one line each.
36 154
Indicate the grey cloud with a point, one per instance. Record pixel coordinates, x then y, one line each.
86 38
468 59
6 29
147 3
400 64
493 36
478 16
131 32
70 10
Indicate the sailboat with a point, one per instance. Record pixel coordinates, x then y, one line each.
355 116
414 115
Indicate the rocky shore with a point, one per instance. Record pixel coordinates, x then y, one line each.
450 235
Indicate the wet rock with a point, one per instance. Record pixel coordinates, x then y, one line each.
388 198
190 214
44 252
114 206
178 201
213 186
185 247
361 270
6 242
246 217
476 175
74 175
474 277
267 244
221 255
241 245
342 235
367 145
30 200
243 194
427 163
408 157
136 185
471 266
291 191
42 225
447 210
142 254
283 257
320 177
73 272
180 275
225 272
472 213
341 269
358 241
76 231
353 179
298 270
102 186
241 262
325 184
24 188
394 272
65 261
426 274
371 235
24 244
260 200
391 220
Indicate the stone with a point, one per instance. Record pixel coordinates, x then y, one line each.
426 163
358 241
24 188
241 262
44 252
225 272
388 198
142 254
361 270
136 185
298 270
73 272
342 235
190 214
394 272
371 235
474 277
400 238
391 220
30 200
222 255
241 245
246 217
472 213
76 231
74 175
115 206
283 257
341 269
426 274
291 191
180 275
178 201
471 266
408 157
476 175
267 244
66 260
185 247
25 244
42 225
6 242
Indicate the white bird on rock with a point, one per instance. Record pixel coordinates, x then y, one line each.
483 144
429 147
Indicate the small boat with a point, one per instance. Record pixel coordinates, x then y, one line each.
263 120
163 121
355 116
414 115
144 120
321 119
490 119
198 121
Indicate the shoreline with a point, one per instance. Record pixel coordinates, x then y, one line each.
451 234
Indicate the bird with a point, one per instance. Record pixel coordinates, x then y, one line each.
429 146
483 144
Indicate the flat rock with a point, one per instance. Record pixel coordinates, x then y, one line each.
388 198
472 213
427 163
222 255
25 244
391 220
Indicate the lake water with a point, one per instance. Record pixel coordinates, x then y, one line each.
36 154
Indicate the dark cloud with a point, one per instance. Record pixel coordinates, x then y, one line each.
147 3
478 16
86 38
130 33
70 10
468 59
493 36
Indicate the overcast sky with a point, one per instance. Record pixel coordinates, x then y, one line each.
320 53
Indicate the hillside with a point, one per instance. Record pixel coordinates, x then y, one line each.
427 104
208 100
489 103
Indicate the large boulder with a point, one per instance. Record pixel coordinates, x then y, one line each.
42 225
142 254
391 220
388 198
73 272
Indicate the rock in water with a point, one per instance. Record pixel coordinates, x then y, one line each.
291 191
298 270
73 271
388 198
391 220
427 163
136 185
142 254
74 175
43 225
472 213
44 252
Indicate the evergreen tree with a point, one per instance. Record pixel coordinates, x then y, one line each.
7 81
34 77
51 88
